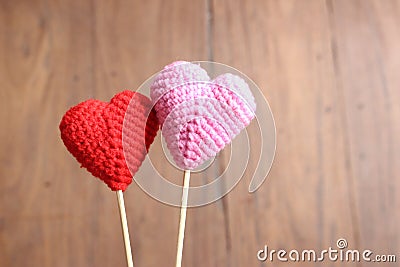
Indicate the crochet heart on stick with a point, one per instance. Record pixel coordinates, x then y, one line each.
92 133
199 116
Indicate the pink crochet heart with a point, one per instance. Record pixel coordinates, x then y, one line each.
199 117
92 132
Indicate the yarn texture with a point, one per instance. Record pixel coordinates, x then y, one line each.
92 133
199 116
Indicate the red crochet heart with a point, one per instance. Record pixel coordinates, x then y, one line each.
92 133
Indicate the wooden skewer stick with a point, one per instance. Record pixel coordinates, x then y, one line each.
124 224
182 219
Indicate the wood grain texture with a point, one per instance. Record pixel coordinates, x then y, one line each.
329 69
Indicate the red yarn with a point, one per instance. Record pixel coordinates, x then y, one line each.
92 133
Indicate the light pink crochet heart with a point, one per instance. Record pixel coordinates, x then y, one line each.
199 117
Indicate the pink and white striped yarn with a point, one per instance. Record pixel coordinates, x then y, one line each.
199 117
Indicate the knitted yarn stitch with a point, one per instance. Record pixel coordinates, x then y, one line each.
200 117
92 133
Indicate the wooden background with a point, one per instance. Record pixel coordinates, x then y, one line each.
329 69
